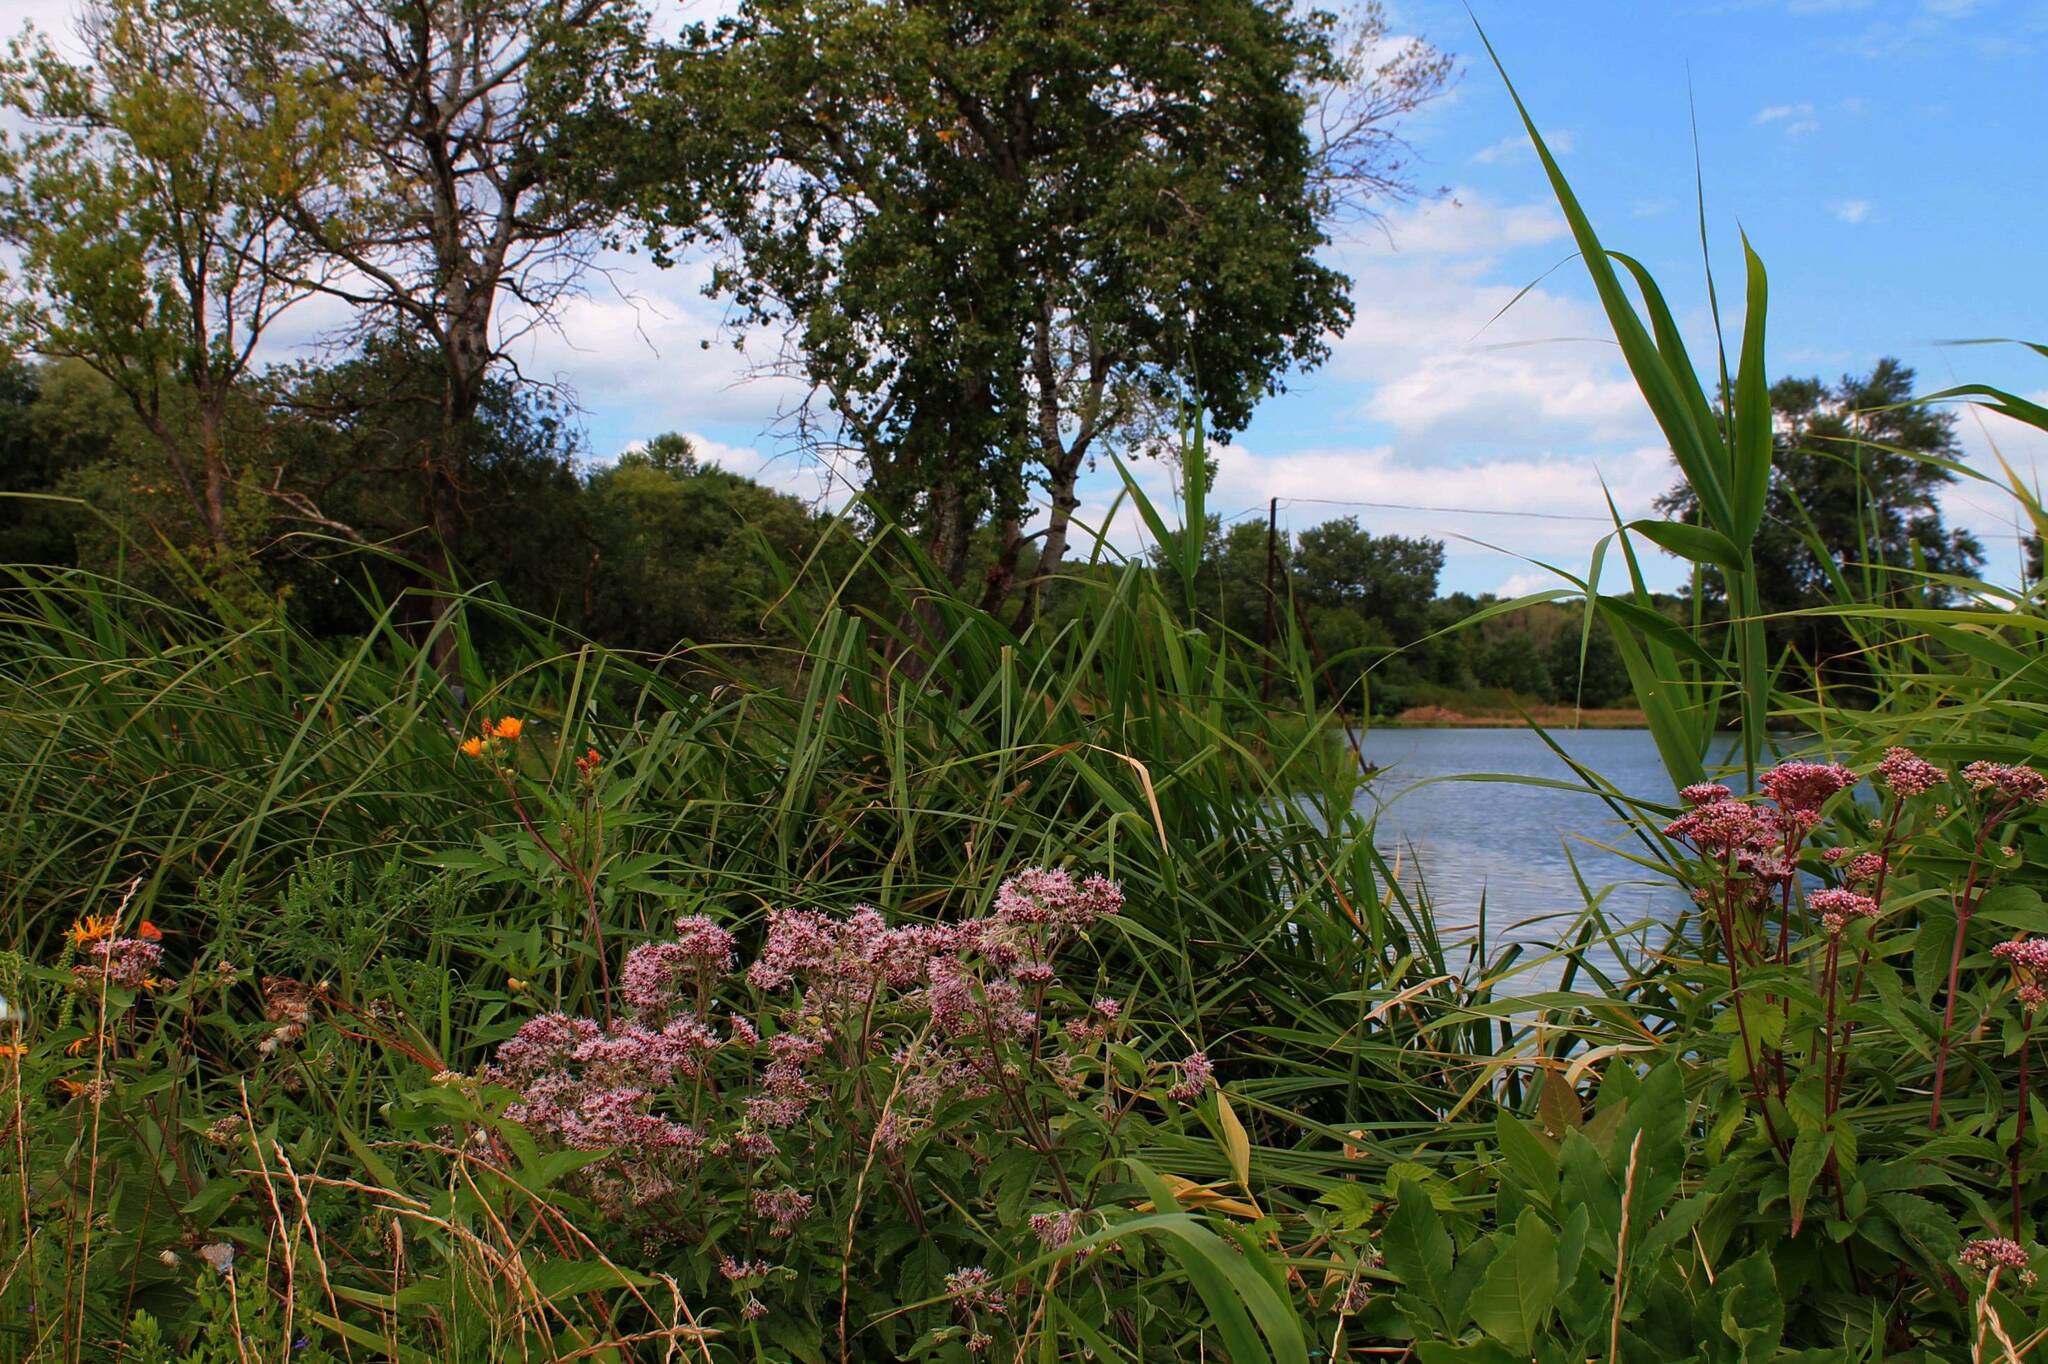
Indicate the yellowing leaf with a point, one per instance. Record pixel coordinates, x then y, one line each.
1237 1144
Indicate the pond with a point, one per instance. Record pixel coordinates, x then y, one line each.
1510 843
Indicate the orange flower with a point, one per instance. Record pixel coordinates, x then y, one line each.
91 929
80 1046
13 1048
149 932
509 727
474 747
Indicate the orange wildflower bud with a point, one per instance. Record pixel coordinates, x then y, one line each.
473 747
509 727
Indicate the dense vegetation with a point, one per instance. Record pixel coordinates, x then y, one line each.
742 934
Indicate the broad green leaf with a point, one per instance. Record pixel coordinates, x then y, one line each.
1418 1249
1514 1301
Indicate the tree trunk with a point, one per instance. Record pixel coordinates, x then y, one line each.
216 479
1062 475
947 542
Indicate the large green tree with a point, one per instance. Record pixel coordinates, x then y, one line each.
1854 506
999 233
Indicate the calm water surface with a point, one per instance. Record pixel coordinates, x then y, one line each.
1514 844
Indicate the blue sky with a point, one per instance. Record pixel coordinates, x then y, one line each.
1885 156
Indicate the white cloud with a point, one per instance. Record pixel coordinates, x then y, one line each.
1852 211
661 352
1516 145
1463 223
1522 584
1798 119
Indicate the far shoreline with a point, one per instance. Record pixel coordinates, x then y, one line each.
1549 717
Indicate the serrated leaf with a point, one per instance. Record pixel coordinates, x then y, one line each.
1809 1153
1752 1313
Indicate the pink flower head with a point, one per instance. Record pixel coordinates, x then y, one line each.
1906 773
1719 828
783 1207
799 941
1834 855
1864 869
974 1289
2012 782
1704 793
1803 786
1056 1230
1050 896
1838 908
1989 1253
127 963
2024 954
704 943
1196 1075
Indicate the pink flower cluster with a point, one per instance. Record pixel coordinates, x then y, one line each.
1802 786
974 1289
1839 908
1988 1253
2028 958
657 975
2014 783
844 993
1056 1230
1908 774
1196 1075
126 963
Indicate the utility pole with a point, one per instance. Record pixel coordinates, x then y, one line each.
1272 602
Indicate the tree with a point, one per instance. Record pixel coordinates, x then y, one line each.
1855 491
1511 661
450 222
353 432
689 555
999 234
1587 672
1388 578
146 205
31 531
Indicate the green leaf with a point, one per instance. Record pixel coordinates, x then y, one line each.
1514 1301
1932 945
1587 1183
1701 544
1237 1145
1418 1250
1528 1156
1752 1313
1809 1154
1479 1352
923 1276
